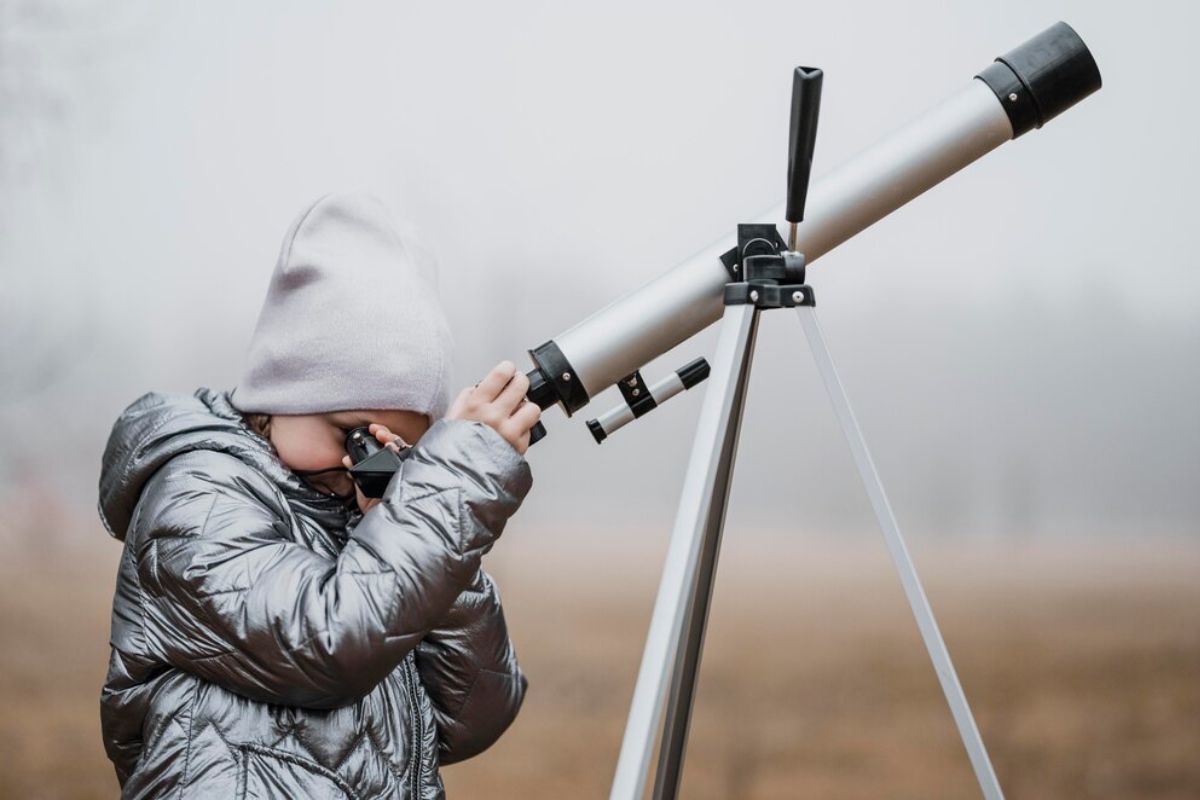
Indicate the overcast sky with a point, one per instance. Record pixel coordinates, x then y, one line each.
1021 344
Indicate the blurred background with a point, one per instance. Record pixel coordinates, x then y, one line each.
1021 344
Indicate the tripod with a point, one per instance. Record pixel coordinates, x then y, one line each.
671 658
1032 83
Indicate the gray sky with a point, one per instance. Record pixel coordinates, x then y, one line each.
1021 343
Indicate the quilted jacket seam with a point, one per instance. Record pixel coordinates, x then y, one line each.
373 553
460 515
307 640
219 592
354 743
187 758
141 597
320 633
304 763
430 493
454 716
393 767
461 704
208 514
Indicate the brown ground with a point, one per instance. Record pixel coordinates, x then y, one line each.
1082 661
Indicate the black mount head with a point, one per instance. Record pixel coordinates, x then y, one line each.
763 269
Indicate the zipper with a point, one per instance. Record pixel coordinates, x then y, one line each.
416 725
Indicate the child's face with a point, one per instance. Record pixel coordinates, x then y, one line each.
318 441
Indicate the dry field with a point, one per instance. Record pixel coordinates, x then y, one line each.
1082 661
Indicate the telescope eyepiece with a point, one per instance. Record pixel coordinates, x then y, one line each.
361 445
1043 77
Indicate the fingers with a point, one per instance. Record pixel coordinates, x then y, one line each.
513 394
386 437
499 401
516 428
489 388
526 416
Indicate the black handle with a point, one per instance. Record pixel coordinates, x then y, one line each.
802 137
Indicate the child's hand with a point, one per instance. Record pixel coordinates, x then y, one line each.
499 401
387 439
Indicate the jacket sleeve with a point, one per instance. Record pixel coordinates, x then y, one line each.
470 670
229 595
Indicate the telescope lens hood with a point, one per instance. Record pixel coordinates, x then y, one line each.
1043 77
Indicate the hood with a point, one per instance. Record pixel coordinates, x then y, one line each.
157 427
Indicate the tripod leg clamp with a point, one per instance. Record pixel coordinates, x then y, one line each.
769 295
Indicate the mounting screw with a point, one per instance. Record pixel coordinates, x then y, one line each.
1012 97
753 296
797 297
636 392
566 376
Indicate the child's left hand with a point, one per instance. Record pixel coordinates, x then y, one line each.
387 439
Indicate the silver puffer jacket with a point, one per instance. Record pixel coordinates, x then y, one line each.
268 642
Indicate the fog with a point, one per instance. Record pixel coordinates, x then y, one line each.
1021 343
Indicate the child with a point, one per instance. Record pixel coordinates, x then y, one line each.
274 633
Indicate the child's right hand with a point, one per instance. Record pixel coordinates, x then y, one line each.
499 402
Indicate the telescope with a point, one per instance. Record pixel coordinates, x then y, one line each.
756 269
736 280
1020 91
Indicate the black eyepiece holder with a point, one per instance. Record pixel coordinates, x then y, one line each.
373 463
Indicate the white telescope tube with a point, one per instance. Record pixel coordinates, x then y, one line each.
649 321
1018 92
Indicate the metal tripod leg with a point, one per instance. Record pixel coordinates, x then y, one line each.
680 611
921 609
687 659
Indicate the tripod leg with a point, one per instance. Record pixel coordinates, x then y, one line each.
687 659
921 609
680 609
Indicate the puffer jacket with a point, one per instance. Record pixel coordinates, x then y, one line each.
269 642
